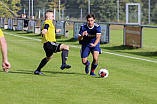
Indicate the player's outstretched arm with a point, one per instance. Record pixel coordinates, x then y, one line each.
58 30
80 37
44 31
5 64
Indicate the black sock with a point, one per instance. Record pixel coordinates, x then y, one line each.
64 56
42 64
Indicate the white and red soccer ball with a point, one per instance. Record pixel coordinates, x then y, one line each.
103 73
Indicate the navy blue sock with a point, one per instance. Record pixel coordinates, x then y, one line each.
93 66
64 56
86 63
42 64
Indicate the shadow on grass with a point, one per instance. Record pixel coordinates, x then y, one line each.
68 40
51 72
21 72
63 72
146 54
121 47
32 72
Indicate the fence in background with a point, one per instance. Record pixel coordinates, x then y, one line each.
76 10
35 25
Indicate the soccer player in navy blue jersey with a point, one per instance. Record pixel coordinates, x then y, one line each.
89 37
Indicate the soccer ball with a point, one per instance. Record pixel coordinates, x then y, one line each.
103 73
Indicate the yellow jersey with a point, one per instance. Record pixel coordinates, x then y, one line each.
50 35
1 33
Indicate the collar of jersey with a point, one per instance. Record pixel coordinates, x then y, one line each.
91 27
48 20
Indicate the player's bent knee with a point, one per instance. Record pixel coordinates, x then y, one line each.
48 58
66 47
84 61
63 46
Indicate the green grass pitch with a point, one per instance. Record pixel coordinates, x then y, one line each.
130 81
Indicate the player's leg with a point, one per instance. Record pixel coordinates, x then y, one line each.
95 62
49 53
85 50
65 51
41 65
87 64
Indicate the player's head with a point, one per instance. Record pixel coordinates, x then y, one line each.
90 20
49 15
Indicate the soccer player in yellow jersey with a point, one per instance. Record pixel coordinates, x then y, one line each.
49 44
5 64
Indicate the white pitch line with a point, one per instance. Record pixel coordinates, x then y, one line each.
79 47
121 55
20 40
22 36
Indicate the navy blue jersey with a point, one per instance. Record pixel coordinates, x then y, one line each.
96 29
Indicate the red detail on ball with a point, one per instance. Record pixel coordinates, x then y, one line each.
103 74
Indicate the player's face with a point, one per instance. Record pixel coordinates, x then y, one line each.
49 16
52 16
90 22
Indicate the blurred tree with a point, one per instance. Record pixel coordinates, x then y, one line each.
105 10
153 10
54 4
154 15
71 7
13 5
37 4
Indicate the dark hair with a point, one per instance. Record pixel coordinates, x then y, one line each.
90 16
49 11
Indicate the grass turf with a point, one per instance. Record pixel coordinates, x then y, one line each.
130 81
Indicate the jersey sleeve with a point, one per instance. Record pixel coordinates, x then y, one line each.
98 30
81 31
46 26
1 33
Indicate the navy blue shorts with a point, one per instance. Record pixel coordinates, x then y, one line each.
85 50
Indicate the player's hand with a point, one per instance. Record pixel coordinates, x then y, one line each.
85 33
44 31
92 45
58 30
6 65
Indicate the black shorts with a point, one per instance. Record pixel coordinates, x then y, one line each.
51 47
